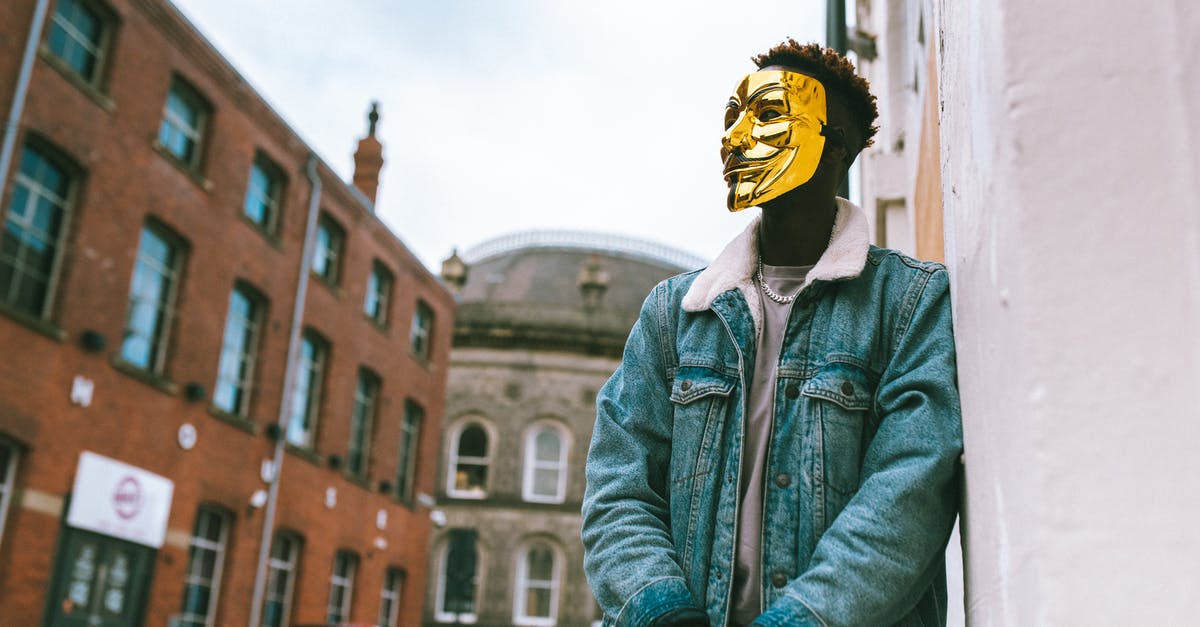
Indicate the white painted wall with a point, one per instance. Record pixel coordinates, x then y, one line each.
1070 142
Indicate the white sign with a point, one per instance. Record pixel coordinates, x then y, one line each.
119 500
81 391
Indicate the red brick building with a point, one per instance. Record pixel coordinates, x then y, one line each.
155 212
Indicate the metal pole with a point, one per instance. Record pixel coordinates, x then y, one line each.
18 102
289 381
835 37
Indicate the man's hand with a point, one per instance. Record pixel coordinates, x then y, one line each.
682 617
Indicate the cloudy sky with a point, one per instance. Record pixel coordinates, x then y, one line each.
508 115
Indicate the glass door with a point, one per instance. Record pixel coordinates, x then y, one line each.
99 581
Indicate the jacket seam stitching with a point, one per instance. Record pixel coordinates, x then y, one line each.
641 590
809 608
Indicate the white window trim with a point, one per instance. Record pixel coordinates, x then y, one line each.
248 357
99 49
288 564
521 584
439 612
10 482
219 547
453 459
391 596
36 191
345 582
531 463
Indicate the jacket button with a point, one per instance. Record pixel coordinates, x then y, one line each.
718 574
779 580
792 391
685 386
782 480
847 388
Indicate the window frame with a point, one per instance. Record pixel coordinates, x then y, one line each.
191 96
333 254
521 583
68 169
317 373
390 596
410 444
531 464
290 565
439 612
454 459
250 353
422 331
107 23
273 202
9 483
168 305
221 548
343 581
379 289
374 385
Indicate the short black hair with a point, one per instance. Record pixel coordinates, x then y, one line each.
834 71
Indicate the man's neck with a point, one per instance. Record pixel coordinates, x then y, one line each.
796 231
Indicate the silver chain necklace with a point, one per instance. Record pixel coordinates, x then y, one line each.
776 296
772 294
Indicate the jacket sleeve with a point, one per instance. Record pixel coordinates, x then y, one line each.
887 545
629 557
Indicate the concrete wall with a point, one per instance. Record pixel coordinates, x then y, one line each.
1069 168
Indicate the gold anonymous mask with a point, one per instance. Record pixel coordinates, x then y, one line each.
773 136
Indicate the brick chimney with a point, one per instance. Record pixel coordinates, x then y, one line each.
368 159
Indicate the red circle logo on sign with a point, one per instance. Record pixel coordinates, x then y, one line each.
127 498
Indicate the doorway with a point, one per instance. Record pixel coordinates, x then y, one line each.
99 581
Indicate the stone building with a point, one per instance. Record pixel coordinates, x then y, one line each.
542 320
200 424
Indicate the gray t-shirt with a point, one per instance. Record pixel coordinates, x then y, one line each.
747 577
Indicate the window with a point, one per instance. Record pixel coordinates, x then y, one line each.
410 432
302 422
389 597
458 578
239 348
78 35
545 476
536 596
33 227
263 192
151 299
8 474
341 587
366 397
281 578
422 328
327 256
185 115
470 457
379 289
206 557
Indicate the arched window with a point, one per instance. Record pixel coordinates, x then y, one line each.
458 578
470 458
545 476
539 571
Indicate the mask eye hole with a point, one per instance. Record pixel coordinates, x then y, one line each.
731 114
769 115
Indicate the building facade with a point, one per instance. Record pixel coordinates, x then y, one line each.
199 424
542 321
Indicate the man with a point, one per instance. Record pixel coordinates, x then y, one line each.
780 444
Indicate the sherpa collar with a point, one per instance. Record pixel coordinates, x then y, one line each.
735 266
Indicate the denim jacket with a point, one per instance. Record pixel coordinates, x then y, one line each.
861 486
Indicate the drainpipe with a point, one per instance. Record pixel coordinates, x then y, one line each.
289 381
18 102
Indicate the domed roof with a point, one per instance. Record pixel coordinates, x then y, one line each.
559 290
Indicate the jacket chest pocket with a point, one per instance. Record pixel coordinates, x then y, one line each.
700 397
841 395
